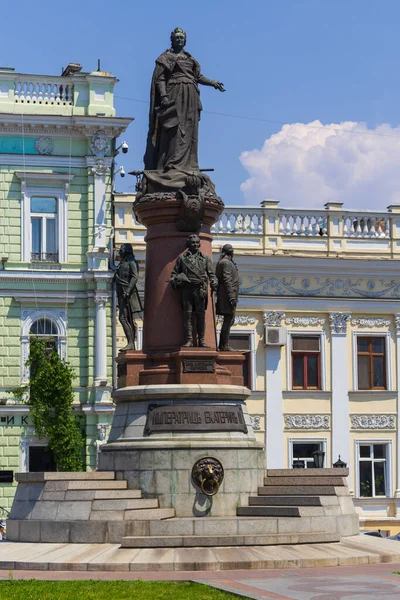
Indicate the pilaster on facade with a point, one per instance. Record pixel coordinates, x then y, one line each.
100 355
396 319
340 386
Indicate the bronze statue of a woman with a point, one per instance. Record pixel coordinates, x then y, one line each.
175 108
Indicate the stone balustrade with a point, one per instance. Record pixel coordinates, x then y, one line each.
77 94
333 231
41 90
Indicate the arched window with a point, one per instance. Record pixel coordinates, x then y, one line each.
48 324
45 330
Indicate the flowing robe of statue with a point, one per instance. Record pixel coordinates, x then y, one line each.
172 143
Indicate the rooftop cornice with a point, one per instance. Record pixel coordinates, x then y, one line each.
59 125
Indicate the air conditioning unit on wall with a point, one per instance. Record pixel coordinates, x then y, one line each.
275 336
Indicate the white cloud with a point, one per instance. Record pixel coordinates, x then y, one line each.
306 165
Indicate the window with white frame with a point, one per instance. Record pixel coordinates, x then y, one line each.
44 238
373 469
47 324
44 216
371 361
306 362
35 455
306 368
303 450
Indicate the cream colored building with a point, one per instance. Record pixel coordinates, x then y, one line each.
319 313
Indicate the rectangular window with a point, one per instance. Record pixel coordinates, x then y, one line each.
40 458
241 342
372 463
303 451
306 363
44 243
371 363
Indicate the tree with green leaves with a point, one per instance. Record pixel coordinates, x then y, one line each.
51 399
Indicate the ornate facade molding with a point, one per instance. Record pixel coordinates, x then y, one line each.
100 144
397 322
369 322
239 320
373 421
273 318
101 299
44 146
338 322
255 421
306 321
100 169
320 287
307 422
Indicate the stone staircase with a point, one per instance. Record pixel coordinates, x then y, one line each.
78 508
292 507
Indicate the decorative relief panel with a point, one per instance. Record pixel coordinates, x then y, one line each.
239 319
373 421
306 321
273 318
307 422
44 146
338 322
397 322
370 322
255 421
319 287
100 144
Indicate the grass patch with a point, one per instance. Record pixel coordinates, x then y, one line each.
108 590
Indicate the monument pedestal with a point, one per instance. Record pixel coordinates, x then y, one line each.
186 365
160 432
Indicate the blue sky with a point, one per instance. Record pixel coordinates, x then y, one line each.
282 62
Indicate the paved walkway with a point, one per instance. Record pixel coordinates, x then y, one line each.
355 550
340 583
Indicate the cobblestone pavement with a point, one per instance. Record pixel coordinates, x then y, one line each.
367 582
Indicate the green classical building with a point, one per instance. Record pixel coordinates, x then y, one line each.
57 145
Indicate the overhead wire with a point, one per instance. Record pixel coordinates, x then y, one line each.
274 121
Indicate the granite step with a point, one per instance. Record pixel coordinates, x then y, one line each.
115 494
98 485
139 514
41 477
267 511
297 490
284 501
311 480
288 473
215 541
126 504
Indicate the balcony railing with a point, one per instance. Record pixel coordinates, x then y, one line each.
44 91
334 231
44 257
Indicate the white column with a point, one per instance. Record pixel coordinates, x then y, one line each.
274 444
340 388
396 485
100 352
100 171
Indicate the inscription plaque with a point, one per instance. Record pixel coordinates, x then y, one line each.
198 417
198 365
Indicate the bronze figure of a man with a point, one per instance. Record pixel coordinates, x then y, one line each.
129 302
192 272
227 294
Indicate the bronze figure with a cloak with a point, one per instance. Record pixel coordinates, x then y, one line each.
175 108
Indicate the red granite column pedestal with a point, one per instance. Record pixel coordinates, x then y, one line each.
163 360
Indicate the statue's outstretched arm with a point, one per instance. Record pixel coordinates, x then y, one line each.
218 85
